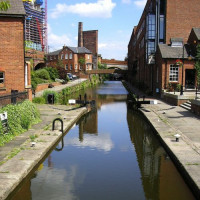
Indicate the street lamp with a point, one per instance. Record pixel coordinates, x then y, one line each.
182 63
181 92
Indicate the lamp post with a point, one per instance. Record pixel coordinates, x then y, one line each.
181 92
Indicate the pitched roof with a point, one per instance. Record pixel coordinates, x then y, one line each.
197 32
173 52
77 50
54 53
16 8
80 50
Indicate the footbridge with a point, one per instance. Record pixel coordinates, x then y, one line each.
106 71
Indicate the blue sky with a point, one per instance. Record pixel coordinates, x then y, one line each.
114 20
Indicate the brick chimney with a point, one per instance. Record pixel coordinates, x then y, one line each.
80 34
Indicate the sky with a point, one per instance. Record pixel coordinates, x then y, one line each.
114 20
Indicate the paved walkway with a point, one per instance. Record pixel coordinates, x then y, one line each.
60 87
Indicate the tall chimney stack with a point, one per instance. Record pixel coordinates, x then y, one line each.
80 34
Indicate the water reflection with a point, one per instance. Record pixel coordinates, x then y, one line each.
160 178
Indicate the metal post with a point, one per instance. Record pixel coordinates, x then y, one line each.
181 92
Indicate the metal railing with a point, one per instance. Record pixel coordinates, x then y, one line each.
13 98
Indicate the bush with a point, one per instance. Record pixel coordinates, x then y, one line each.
43 74
20 118
53 72
39 100
62 73
56 96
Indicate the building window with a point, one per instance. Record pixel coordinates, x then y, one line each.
50 57
150 48
151 26
76 66
80 67
1 78
66 66
70 67
70 56
173 73
66 56
88 57
62 56
162 27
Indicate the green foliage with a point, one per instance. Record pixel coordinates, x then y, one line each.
28 45
60 63
102 66
39 76
81 61
33 137
4 5
53 73
20 118
197 64
56 96
43 74
39 100
62 73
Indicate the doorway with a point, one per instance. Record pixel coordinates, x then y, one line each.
190 78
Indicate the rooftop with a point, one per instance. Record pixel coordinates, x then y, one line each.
173 52
16 9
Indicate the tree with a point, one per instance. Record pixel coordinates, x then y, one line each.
60 63
197 64
81 61
4 5
102 66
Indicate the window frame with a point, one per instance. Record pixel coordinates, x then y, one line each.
173 73
2 83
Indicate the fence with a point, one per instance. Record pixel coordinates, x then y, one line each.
13 98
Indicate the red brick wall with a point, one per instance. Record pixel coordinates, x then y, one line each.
45 86
113 61
12 54
181 16
90 41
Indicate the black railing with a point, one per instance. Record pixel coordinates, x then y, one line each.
13 98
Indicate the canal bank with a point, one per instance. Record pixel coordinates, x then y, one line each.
21 156
167 121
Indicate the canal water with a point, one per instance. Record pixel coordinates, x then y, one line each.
110 154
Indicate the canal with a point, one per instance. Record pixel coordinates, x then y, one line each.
110 154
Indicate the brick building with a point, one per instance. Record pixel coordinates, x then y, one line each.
14 70
89 40
70 59
163 35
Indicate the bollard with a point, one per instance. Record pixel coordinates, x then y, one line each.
177 136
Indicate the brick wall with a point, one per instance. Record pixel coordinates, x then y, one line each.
90 41
181 17
12 54
45 86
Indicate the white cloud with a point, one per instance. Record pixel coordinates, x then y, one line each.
140 3
126 1
102 45
56 42
113 49
100 9
102 142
